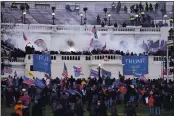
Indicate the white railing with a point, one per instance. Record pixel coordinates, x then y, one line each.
8 60
67 28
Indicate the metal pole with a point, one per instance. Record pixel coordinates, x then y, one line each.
162 68
172 36
167 62
99 71
24 18
53 19
81 20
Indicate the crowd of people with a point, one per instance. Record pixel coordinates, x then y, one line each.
10 51
69 96
31 50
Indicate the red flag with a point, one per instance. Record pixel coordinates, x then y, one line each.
25 38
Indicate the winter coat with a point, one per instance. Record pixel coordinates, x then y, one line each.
114 111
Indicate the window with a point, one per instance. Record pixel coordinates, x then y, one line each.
54 57
62 57
100 57
29 57
51 57
159 58
109 57
87 58
156 58
78 57
31 68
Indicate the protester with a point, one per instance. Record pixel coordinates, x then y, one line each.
19 108
67 96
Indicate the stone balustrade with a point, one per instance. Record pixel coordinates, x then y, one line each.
68 28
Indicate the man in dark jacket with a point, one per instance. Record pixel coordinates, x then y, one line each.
131 111
36 110
93 108
157 104
79 107
102 109
60 110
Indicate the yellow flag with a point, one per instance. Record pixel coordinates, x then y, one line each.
28 73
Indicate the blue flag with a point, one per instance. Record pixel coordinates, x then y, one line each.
137 73
93 73
105 73
77 71
132 63
26 78
39 83
42 63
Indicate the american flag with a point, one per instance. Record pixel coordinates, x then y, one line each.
94 30
25 38
8 70
65 72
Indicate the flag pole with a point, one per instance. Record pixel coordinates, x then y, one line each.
167 62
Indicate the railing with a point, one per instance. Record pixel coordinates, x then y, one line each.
8 60
87 28
17 60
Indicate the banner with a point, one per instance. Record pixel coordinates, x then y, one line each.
77 71
39 83
42 63
93 73
105 73
135 63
